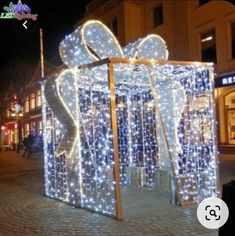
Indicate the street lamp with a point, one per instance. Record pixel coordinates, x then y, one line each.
17 113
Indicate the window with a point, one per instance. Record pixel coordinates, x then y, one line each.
38 98
233 39
8 113
158 16
202 2
230 115
26 129
33 128
23 132
26 105
114 26
208 47
32 101
39 127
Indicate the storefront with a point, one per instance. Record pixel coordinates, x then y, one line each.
32 125
9 134
225 101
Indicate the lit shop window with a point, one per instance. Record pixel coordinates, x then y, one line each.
26 105
39 127
208 46
32 101
230 116
23 132
38 98
27 130
33 128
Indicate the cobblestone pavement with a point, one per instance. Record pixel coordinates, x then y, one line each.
25 211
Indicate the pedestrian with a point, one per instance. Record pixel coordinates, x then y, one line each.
28 144
25 143
37 145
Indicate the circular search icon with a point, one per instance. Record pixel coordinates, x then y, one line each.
212 213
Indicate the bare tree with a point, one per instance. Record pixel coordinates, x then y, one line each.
1 116
3 111
19 72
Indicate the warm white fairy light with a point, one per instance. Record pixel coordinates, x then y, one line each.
89 43
181 142
151 47
96 38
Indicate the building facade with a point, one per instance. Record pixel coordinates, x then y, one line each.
195 30
29 116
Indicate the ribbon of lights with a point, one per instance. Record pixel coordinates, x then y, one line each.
165 119
65 108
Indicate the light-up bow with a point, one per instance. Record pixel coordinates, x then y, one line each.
90 42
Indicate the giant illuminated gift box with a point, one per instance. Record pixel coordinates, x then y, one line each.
118 109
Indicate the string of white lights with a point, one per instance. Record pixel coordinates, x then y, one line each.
81 170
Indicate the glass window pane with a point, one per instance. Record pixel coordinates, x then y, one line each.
157 16
33 128
26 129
233 39
38 99
26 105
208 46
32 101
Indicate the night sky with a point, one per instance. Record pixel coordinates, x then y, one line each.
57 19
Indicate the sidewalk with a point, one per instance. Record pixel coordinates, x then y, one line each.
13 164
25 211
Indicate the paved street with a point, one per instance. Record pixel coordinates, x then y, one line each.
25 211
